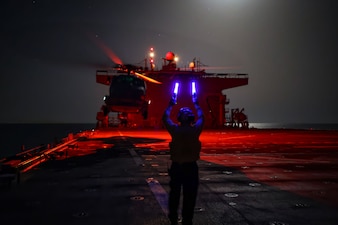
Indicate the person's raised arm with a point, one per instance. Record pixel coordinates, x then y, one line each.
166 115
200 115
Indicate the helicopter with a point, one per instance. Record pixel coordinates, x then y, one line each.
127 89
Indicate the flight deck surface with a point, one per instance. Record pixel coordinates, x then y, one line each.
119 176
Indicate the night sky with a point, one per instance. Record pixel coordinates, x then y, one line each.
289 48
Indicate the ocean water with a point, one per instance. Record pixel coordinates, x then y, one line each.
302 126
14 136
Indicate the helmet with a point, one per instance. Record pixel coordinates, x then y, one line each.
185 115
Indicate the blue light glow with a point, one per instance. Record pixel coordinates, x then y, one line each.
193 88
176 88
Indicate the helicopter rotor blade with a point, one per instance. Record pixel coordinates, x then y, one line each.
220 67
147 78
109 53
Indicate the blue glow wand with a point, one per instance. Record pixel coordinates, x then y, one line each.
174 98
193 88
193 92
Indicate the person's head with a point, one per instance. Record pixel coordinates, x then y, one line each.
185 116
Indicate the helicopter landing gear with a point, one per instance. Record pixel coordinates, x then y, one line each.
144 110
123 117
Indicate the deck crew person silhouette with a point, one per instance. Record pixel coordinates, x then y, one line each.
185 149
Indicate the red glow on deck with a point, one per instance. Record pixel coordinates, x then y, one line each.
300 161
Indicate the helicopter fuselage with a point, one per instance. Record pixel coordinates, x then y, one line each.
127 93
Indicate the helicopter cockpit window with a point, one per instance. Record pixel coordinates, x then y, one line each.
130 81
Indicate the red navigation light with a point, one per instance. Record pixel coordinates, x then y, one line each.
170 56
151 59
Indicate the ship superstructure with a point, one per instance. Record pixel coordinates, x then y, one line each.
210 87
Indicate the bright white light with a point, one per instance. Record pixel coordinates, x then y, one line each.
151 53
104 98
176 59
149 101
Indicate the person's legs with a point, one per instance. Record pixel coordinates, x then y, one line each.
175 191
190 187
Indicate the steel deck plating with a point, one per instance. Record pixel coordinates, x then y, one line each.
120 177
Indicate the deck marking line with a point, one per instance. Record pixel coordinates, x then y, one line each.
155 186
138 161
135 156
159 193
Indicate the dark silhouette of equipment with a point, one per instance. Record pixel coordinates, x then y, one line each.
238 119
